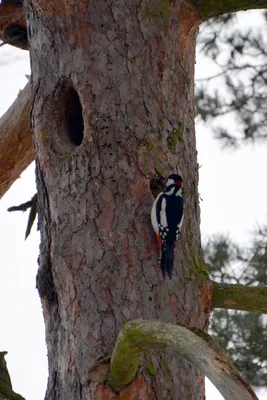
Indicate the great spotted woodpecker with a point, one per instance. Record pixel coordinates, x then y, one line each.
167 216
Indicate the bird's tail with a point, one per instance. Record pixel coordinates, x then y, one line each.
166 260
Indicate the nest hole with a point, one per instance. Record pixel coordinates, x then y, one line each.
73 116
67 123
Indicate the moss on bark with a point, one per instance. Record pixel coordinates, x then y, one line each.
239 297
195 345
212 8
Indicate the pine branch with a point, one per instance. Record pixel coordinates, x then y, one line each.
210 8
6 391
239 297
13 29
194 345
15 140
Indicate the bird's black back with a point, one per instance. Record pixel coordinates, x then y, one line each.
174 213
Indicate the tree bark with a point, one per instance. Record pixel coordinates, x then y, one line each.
114 100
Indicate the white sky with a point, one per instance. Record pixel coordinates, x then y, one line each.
234 201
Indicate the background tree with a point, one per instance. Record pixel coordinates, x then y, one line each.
239 54
241 334
70 101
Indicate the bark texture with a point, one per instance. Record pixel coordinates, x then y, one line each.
15 140
130 66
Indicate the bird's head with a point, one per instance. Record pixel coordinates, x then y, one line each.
174 183
175 179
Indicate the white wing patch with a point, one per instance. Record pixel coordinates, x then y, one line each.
163 216
154 221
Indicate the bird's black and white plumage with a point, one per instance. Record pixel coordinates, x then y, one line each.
167 216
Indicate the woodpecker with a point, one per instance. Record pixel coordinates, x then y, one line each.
167 216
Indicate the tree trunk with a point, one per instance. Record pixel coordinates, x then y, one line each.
113 88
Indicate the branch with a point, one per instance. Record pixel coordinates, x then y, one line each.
194 345
13 29
210 8
32 204
15 140
6 391
239 297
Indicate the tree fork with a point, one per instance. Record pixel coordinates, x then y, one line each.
13 24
